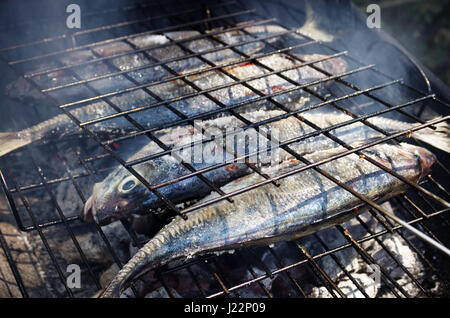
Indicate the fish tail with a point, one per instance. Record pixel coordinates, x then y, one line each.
112 290
152 255
439 138
10 141
126 275
169 244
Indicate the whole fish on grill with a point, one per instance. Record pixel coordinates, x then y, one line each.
303 203
103 60
110 202
61 125
86 67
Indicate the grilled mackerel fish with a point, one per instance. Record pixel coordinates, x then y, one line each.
121 56
121 194
61 126
303 203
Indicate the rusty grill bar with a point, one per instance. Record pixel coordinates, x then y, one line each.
424 204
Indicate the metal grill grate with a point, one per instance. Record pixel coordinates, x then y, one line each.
423 206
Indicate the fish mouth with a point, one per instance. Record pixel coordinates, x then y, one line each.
113 210
427 160
89 214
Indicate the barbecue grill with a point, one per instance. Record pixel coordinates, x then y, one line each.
45 185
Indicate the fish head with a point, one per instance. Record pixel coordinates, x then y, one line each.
423 156
119 195
415 162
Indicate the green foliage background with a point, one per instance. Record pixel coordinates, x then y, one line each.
422 27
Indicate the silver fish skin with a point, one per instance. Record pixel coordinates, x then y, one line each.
121 194
109 203
304 202
438 138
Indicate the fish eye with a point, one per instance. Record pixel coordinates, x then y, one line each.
128 184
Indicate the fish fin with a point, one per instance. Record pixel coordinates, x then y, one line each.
439 138
10 141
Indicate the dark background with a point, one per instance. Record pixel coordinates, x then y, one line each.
422 27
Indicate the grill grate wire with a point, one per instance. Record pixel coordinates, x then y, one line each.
230 19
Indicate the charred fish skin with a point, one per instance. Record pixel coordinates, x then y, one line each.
25 92
61 125
269 214
127 60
